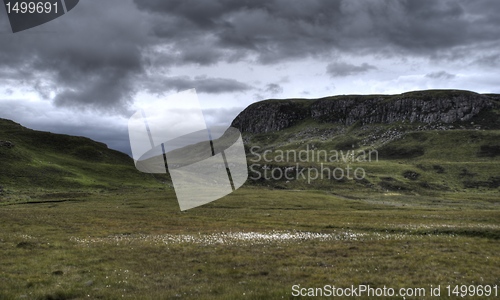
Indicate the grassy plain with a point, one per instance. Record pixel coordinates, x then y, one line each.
256 243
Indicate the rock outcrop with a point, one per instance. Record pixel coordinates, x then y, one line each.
434 106
6 144
272 115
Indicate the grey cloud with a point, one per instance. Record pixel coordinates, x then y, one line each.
279 30
43 89
340 69
89 57
274 89
239 29
97 55
199 55
220 85
488 60
440 75
201 84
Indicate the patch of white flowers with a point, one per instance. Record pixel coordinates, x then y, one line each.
237 238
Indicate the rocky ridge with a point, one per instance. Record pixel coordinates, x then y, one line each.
427 107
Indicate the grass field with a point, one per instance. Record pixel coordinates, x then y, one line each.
256 243
78 221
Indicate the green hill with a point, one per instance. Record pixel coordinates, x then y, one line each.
32 160
419 143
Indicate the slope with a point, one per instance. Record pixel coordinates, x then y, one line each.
417 143
31 160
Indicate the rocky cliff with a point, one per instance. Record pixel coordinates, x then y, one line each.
271 115
432 106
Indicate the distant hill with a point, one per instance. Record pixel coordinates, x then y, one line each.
426 107
427 141
31 159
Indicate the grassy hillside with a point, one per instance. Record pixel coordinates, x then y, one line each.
32 160
417 158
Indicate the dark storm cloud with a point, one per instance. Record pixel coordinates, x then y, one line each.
341 69
89 57
202 84
236 29
440 75
100 54
276 30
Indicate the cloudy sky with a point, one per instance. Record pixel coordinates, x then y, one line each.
88 71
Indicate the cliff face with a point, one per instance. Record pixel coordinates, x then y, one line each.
419 108
424 107
269 116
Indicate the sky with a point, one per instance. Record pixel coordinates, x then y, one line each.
87 72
